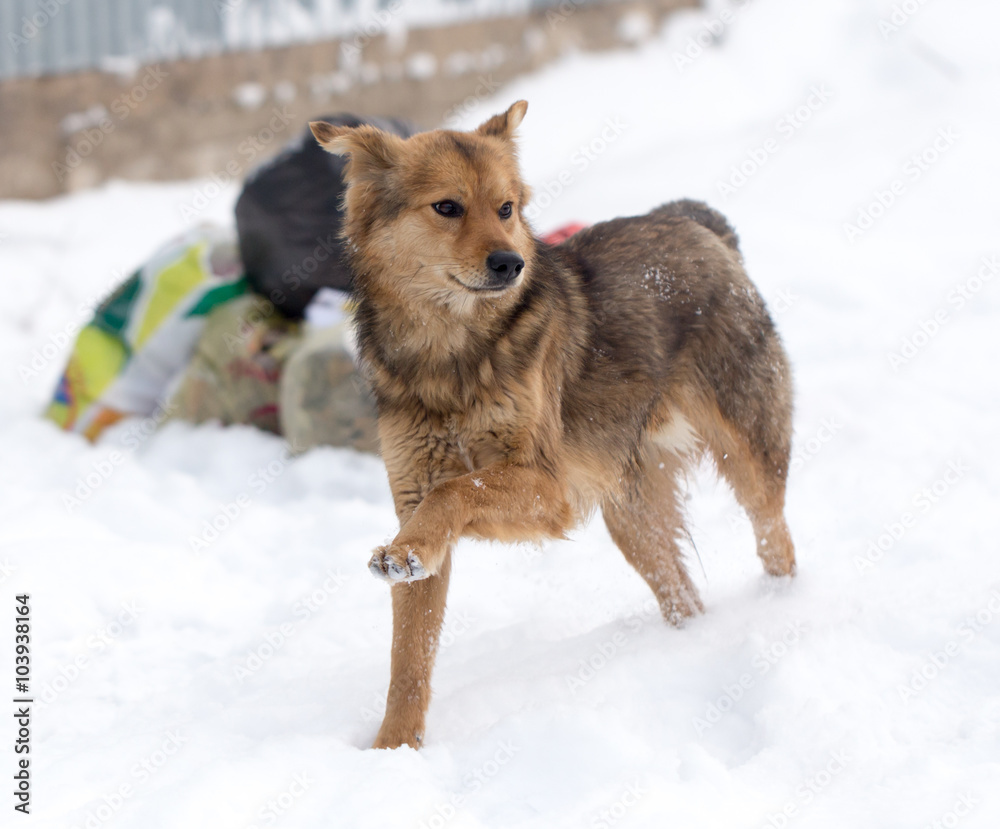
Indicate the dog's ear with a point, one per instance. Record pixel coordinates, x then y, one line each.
369 147
504 124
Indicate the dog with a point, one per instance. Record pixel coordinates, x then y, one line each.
520 386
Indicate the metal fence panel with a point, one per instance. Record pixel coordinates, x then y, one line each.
42 37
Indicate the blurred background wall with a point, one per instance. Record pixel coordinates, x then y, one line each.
173 89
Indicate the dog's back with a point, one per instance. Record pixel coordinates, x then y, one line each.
704 215
675 325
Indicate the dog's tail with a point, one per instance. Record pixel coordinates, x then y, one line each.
705 216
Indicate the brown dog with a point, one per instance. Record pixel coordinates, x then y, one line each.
522 386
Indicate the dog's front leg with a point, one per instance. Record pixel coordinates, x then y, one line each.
417 456
417 615
418 604
502 502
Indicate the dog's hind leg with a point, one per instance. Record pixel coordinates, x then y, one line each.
417 615
646 521
756 467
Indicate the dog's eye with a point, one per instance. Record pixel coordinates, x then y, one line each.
505 210
448 208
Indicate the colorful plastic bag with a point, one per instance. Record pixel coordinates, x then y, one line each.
143 335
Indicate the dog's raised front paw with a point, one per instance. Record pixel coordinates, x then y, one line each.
395 564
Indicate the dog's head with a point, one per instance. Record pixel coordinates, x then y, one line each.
438 217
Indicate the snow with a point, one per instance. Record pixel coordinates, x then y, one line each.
250 95
421 66
239 685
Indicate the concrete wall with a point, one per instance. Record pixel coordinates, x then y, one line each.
222 115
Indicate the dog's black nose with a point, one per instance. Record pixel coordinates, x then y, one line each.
504 265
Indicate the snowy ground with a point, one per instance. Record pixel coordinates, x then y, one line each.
239 686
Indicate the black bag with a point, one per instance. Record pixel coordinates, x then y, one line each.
288 219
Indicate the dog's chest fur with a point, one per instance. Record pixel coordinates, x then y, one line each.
481 403
481 422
